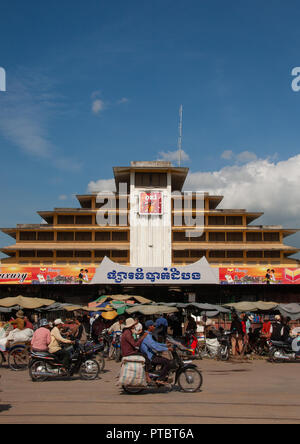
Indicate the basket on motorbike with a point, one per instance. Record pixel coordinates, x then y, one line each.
133 372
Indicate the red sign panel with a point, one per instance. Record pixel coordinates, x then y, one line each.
151 203
259 275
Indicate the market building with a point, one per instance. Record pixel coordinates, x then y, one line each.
177 239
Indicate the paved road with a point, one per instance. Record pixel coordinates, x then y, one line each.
233 392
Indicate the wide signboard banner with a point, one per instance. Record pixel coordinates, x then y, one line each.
109 272
45 275
259 275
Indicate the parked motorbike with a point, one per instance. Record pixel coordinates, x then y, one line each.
105 339
225 346
44 365
192 348
184 373
284 351
259 343
116 346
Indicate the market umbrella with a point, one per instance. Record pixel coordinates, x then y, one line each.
121 297
290 310
120 306
151 309
85 308
253 306
8 310
208 307
21 301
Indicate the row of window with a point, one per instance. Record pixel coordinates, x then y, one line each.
181 236
125 253
234 254
123 236
66 236
178 220
74 253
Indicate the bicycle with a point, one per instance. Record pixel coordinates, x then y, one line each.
17 356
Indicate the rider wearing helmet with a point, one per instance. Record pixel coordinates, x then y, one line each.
41 337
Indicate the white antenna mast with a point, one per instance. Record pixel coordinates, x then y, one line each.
180 135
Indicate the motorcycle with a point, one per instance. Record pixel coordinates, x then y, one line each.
115 348
185 373
98 351
105 339
191 343
225 346
284 351
44 365
259 342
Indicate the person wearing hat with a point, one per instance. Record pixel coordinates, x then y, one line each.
19 322
161 329
150 347
276 330
41 337
129 346
55 345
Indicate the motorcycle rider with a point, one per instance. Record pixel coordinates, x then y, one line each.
41 337
129 346
286 330
150 347
55 348
161 329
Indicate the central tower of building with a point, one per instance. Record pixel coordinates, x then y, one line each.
150 186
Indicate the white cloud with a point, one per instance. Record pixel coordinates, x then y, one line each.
101 185
227 154
63 197
242 157
246 156
259 185
123 100
25 114
97 106
173 156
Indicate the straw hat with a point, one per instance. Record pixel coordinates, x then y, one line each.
130 322
20 314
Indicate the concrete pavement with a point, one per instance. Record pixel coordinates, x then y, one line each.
233 392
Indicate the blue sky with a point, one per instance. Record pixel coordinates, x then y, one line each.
96 84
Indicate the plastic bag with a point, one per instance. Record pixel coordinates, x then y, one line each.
20 335
133 372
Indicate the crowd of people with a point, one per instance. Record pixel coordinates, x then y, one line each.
141 335
243 333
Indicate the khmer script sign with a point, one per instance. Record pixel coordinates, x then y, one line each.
198 273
